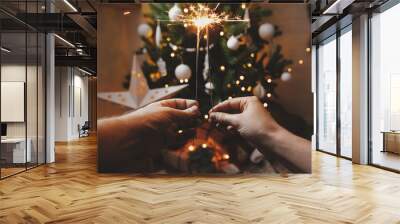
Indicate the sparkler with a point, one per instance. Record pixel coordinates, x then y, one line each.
203 16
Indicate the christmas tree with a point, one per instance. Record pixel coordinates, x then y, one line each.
235 56
220 51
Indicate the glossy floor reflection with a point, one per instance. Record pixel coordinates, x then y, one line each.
387 159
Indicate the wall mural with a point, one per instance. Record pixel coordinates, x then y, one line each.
196 88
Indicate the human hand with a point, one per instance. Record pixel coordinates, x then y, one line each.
246 116
162 124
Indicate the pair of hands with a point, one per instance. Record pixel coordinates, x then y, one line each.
170 121
143 133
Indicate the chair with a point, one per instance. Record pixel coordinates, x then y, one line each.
84 130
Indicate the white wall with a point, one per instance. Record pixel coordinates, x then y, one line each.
71 102
61 103
80 110
33 127
16 73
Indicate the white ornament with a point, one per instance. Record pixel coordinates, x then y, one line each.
266 31
158 35
233 43
174 12
144 30
209 87
162 67
183 72
256 156
259 91
286 76
206 69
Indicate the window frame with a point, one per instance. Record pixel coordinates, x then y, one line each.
27 29
347 27
380 9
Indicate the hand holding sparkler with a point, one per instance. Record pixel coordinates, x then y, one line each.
248 117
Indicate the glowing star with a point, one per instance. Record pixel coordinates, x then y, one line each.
139 93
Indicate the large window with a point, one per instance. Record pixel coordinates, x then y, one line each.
346 92
385 89
327 95
334 94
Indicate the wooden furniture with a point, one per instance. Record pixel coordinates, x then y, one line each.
391 141
13 150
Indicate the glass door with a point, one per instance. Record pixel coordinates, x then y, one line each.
345 93
23 90
14 153
326 95
385 89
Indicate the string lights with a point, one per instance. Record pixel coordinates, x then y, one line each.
222 68
191 148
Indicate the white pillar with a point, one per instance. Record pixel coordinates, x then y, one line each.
360 90
50 98
314 92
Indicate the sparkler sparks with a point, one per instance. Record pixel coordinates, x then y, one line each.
203 21
202 16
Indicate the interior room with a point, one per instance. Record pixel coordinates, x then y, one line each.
23 96
199 112
384 90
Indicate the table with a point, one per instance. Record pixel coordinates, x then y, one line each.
13 150
391 141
